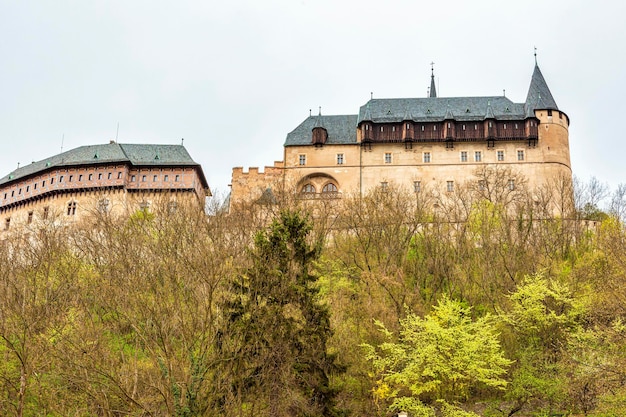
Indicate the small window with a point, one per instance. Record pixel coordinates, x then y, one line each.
61 178
46 211
417 186
426 157
177 178
478 156
30 217
119 175
511 185
302 159
166 178
463 156
387 157
463 127
500 155
12 193
381 128
103 205
504 126
339 159
109 175
51 181
449 186
20 191
34 186
520 155
71 208
71 178
408 126
27 188
90 177
7 223
133 178
80 177
329 188
43 183
422 128
550 113
143 178
155 178
100 176
308 189
434 127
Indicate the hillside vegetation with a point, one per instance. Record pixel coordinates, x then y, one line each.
489 301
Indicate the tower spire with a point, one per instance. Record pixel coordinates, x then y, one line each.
433 90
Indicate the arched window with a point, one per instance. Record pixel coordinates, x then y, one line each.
308 189
330 188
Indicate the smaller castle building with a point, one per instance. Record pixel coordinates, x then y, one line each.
113 178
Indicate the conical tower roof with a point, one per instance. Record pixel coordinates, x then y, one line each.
539 96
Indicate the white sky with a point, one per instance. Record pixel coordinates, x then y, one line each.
233 77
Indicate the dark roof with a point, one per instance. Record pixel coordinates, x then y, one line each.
134 154
436 109
341 130
539 96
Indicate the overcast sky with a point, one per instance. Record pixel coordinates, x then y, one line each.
234 77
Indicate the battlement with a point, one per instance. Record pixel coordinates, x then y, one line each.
247 185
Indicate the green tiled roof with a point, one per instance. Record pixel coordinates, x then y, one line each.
133 154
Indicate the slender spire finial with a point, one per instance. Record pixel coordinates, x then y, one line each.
310 112
320 113
535 55
371 95
433 91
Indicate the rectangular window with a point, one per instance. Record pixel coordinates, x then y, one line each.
71 178
46 210
417 186
133 178
511 185
30 217
100 176
339 159
7 223
500 155
478 156
520 155
463 156
143 178
302 159
20 191
387 157
119 175
90 177
34 186
154 178
177 178
449 186
27 188
80 177
71 208
43 183
166 178
109 176
5 195
426 157
61 178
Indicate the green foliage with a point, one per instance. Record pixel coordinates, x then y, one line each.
278 328
443 356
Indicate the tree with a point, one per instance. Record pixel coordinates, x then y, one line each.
276 335
440 357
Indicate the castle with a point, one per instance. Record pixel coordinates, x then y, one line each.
413 143
110 178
